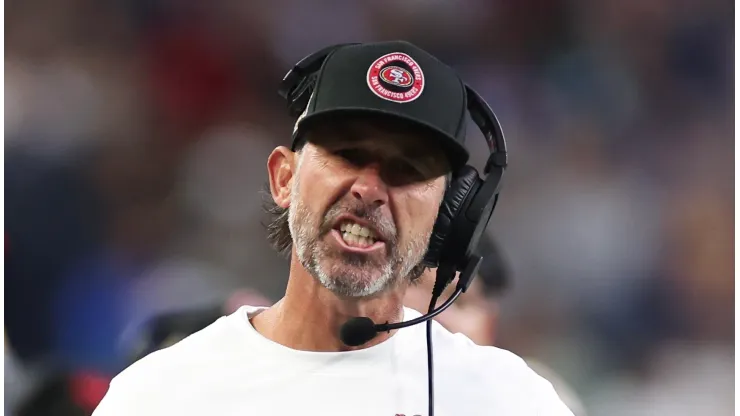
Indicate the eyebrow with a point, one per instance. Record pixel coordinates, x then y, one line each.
410 146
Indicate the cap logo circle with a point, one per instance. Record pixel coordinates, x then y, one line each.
396 77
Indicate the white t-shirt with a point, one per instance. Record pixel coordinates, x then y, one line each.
229 369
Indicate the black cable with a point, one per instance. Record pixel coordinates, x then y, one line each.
386 327
445 274
430 361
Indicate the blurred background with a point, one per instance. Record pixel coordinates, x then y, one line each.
136 137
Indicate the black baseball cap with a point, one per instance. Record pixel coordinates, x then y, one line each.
394 80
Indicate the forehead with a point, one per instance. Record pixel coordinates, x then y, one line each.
380 136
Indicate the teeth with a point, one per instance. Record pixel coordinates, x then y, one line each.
357 235
357 230
351 239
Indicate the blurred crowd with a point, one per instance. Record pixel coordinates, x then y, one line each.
137 131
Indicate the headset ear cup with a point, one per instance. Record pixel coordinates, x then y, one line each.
461 184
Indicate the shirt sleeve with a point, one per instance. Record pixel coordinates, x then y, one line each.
550 403
125 398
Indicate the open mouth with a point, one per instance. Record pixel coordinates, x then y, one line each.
357 235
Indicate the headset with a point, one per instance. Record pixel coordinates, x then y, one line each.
469 200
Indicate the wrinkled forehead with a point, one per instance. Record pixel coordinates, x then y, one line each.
381 137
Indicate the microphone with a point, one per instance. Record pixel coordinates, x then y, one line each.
357 331
360 330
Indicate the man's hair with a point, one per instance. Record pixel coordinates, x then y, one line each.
278 230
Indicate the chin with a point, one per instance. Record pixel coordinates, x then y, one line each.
355 283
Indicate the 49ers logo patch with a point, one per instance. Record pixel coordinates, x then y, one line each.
396 77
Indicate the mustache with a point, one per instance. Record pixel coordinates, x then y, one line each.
384 226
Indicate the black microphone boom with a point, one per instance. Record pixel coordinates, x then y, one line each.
360 330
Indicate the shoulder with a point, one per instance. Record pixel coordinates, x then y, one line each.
493 369
159 378
464 356
483 364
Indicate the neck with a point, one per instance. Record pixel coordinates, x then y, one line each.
309 316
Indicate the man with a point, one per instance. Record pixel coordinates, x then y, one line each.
355 200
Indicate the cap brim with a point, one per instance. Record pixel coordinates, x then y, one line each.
456 153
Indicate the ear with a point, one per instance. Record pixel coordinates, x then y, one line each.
280 165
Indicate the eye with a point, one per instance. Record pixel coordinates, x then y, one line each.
355 157
401 172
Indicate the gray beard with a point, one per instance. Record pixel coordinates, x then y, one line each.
348 276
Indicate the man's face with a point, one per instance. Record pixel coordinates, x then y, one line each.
362 206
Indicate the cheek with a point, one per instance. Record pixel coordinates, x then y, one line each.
318 185
417 210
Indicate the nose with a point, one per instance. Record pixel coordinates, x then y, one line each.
369 187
